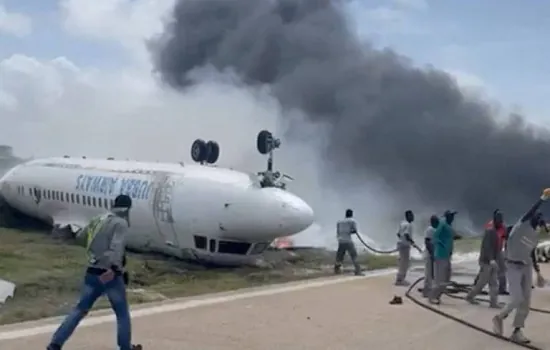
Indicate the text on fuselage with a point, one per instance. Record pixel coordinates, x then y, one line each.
114 185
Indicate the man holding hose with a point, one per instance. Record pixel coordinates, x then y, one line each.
429 256
345 228
443 239
404 243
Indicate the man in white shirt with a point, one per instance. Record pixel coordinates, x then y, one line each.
520 259
429 256
404 243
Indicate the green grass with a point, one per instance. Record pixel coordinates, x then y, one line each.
467 245
48 274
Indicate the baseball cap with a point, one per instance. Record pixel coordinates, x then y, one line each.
123 201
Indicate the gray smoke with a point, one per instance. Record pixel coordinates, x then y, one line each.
413 127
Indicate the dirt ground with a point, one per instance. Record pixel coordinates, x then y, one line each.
48 274
330 313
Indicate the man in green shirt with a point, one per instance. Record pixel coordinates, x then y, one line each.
443 239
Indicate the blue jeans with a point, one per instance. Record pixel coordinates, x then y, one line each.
93 288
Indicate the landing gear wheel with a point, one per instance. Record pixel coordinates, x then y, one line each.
199 151
213 152
546 253
264 142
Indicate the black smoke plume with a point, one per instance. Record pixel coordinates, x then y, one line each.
412 127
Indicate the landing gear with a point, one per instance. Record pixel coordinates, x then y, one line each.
266 144
205 152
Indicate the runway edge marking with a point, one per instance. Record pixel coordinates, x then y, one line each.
193 303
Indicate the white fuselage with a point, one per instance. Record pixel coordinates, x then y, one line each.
189 211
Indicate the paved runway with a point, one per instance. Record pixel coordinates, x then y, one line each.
334 313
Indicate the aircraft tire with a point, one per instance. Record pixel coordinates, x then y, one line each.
546 253
263 141
199 151
213 152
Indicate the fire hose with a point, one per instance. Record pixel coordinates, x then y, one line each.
451 291
378 251
455 288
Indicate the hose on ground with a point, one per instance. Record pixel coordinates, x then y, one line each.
435 310
465 288
378 251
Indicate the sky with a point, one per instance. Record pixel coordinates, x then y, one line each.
63 59
76 75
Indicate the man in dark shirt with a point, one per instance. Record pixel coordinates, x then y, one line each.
489 255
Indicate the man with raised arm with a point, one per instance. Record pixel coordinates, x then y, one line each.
520 259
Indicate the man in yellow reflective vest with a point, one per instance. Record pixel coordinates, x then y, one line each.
105 247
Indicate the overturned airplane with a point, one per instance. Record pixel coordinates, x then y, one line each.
190 211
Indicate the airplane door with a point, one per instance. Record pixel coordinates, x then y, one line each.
37 199
162 210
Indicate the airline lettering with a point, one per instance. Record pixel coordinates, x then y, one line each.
108 185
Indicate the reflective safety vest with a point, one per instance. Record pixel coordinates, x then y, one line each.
92 229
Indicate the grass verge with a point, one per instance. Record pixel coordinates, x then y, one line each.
48 274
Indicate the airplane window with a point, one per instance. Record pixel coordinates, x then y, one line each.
212 245
93 201
106 202
112 203
61 197
100 202
30 191
77 199
66 197
239 248
89 200
57 196
72 197
200 242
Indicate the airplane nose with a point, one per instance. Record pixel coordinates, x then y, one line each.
265 214
293 213
297 214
